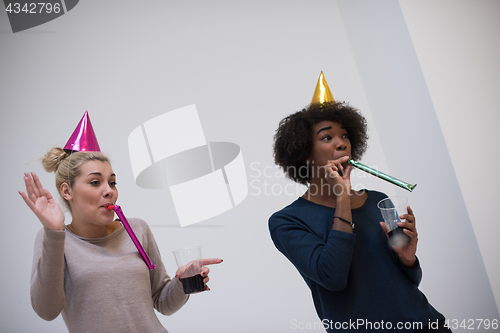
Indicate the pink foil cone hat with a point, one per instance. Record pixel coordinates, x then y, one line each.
83 138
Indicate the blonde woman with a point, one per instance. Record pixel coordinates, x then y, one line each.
89 270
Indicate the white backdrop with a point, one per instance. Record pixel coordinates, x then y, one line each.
246 65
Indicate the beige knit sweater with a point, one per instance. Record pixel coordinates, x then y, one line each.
102 284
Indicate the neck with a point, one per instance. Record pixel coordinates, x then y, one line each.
87 230
322 193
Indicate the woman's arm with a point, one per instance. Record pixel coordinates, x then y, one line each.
168 294
47 276
326 263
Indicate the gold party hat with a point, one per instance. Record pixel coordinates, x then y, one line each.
322 93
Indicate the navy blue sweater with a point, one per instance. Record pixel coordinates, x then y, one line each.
357 281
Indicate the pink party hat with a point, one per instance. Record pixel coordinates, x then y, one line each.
83 138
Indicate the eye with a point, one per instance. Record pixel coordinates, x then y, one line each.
326 138
94 183
112 184
345 136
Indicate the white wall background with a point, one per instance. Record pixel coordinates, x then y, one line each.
246 65
458 46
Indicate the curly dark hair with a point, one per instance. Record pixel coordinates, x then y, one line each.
293 140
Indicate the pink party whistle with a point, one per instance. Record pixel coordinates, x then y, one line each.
127 227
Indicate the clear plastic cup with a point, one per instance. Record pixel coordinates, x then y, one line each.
191 278
391 208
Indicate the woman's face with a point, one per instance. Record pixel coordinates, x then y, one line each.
94 190
330 142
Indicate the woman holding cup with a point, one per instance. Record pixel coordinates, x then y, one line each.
333 234
90 270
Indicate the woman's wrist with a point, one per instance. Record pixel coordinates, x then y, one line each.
343 201
344 220
410 264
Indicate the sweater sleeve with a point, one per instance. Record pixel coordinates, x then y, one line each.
168 294
414 274
47 275
325 262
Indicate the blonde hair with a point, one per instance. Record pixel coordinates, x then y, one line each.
67 167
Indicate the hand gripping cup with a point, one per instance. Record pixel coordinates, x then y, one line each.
191 278
391 208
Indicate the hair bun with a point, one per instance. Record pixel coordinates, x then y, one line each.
53 158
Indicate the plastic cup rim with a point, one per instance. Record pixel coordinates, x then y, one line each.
187 248
405 202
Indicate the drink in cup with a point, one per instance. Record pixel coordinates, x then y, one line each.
191 278
391 208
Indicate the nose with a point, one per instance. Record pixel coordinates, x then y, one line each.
340 145
108 191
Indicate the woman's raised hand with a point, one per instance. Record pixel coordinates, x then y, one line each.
338 176
41 202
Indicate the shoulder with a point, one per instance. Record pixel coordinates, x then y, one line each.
291 209
137 222
296 214
371 202
376 195
142 231
139 225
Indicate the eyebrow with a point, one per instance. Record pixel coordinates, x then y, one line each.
324 129
99 174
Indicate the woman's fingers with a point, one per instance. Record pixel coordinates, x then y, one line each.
384 228
410 221
34 190
409 216
333 170
33 193
194 269
347 172
204 270
26 199
48 195
204 274
338 166
211 261
41 203
28 182
38 185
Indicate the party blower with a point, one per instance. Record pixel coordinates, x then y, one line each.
127 227
382 175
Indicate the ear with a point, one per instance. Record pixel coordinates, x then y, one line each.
66 192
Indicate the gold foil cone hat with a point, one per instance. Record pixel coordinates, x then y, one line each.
322 93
